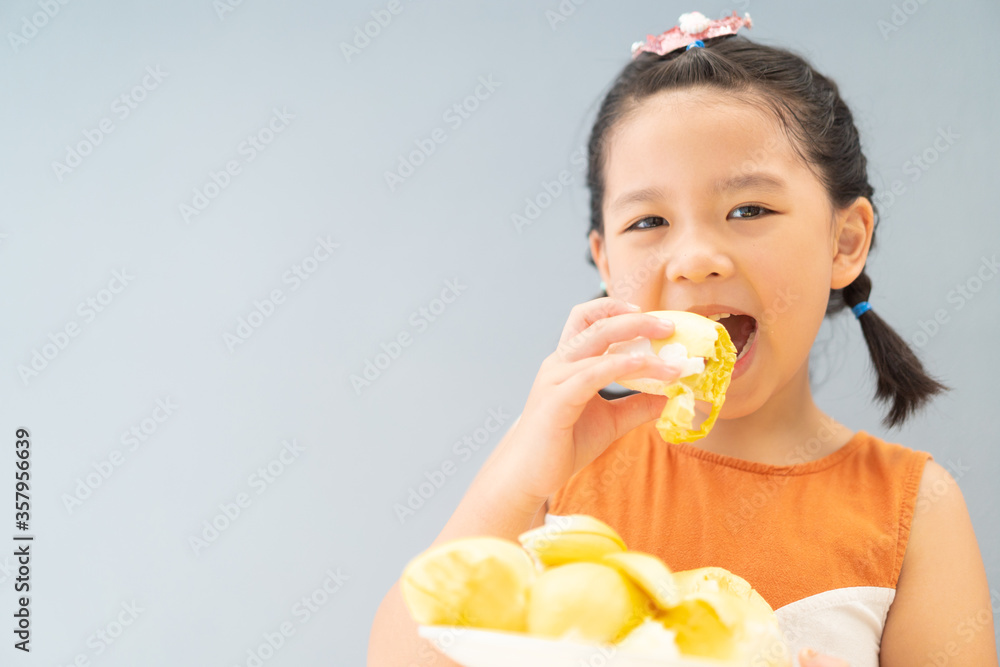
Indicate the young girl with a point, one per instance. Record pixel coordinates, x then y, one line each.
727 177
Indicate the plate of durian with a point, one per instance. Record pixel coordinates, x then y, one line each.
570 593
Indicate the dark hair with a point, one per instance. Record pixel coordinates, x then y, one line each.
821 130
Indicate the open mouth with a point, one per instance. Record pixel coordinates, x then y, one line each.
741 328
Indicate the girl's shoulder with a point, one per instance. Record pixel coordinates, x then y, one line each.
942 593
879 453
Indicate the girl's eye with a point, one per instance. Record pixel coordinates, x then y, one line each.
654 221
756 211
650 219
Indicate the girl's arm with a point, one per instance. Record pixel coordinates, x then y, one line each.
564 426
942 613
485 510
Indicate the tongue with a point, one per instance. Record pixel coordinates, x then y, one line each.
739 327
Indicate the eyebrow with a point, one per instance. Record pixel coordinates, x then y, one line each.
760 181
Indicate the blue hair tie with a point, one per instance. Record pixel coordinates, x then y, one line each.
861 309
695 43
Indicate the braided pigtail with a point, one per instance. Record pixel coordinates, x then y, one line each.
901 377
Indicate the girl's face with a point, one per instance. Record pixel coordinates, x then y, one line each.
708 209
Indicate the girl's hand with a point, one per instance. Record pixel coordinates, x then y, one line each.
566 424
819 659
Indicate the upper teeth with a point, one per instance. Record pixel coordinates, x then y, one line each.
719 316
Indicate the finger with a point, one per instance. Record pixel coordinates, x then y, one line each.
635 410
810 658
652 366
596 338
583 315
595 373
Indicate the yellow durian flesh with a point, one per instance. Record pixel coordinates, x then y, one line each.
722 616
701 337
576 537
650 574
585 601
699 630
481 582
601 595
715 579
585 523
572 547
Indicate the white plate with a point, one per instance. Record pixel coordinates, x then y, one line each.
489 648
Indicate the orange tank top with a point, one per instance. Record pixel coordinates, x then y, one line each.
822 541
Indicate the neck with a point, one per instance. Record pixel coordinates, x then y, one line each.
788 429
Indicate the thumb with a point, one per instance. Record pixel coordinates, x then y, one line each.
810 658
635 410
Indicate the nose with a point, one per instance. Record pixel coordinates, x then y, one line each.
699 256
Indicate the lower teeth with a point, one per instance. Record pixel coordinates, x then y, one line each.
746 345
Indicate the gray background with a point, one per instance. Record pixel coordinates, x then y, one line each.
162 336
